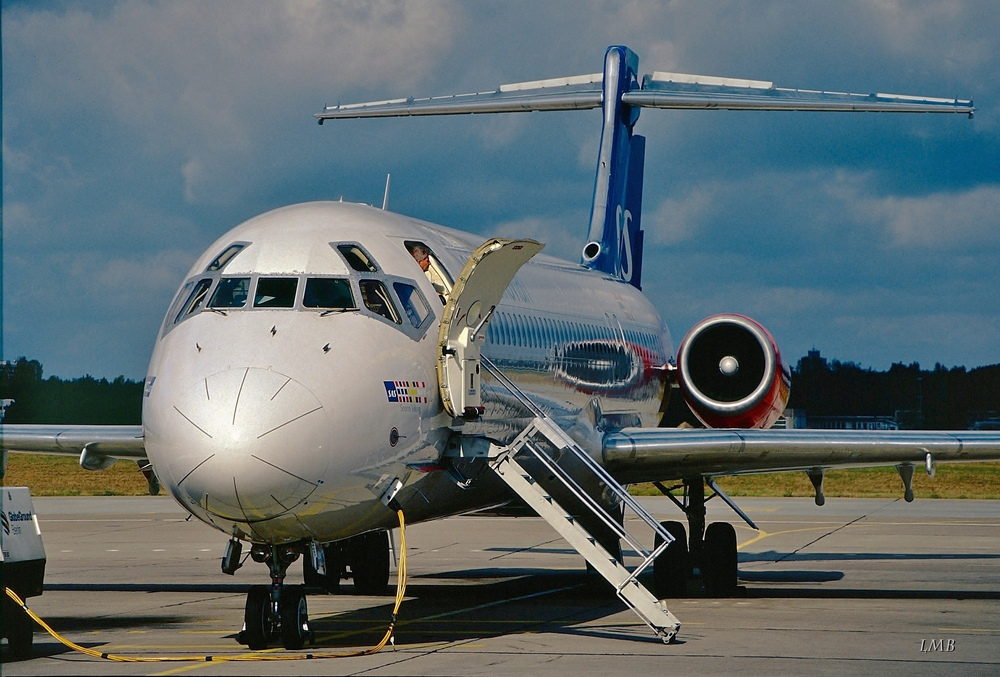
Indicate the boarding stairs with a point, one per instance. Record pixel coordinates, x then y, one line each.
542 447
545 441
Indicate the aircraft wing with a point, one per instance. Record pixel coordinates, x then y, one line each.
658 90
98 446
653 454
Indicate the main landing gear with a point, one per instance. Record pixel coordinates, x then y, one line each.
279 610
367 558
711 551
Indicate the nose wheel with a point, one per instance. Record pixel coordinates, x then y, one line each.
257 625
277 609
294 618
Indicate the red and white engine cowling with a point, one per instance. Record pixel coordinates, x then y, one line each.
731 373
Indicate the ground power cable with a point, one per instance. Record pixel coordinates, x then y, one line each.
401 575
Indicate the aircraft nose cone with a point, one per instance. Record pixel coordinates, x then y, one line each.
253 444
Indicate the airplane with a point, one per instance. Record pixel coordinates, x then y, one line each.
326 365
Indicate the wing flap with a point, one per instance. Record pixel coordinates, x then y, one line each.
651 454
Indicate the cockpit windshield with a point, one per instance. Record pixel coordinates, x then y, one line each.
275 292
230 293
413 304
328 292
196 298
377 299
398 301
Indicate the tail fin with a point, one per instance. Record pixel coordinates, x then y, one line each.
614 242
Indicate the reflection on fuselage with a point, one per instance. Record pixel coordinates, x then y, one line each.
281 419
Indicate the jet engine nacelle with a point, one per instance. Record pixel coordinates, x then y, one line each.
731 373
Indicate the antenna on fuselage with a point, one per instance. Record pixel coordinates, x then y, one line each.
385 198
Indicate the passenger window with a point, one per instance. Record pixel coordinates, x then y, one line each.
195 300
225 257
413 305
328 292
231 293
377 300
357 258
275 292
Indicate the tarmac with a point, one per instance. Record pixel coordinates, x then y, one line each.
859 586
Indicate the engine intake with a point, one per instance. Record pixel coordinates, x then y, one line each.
731 373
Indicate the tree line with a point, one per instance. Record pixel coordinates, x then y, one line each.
84 400
936 399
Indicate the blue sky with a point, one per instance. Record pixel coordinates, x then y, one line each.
136 133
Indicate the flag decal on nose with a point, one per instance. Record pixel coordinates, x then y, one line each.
406 391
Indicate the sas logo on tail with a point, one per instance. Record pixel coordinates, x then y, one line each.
406 391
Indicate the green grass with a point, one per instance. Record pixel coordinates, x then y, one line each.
960 480
63 476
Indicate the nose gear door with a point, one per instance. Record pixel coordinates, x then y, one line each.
475 296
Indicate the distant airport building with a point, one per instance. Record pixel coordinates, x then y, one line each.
797 419
792 418
853 422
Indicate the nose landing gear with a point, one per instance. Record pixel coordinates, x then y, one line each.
276 607
280 610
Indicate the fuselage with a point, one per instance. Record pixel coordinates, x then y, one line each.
294 373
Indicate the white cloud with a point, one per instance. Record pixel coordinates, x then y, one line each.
192 172
679 218
957 220
558 238
196 76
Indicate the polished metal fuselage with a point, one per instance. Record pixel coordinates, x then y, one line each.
284 424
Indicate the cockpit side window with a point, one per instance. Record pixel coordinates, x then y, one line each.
357 258
227 255
329 293
231 292
413 305
275 292
377 300
196 298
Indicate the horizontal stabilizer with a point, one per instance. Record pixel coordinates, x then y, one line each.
572 93
659 90
674 90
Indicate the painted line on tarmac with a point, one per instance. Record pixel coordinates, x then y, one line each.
765 534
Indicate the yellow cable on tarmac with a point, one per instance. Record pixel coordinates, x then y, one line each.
400 593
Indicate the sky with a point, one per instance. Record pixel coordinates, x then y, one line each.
136 133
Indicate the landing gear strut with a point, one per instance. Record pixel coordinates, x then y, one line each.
276 607
712 551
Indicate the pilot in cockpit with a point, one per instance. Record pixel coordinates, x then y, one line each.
432 269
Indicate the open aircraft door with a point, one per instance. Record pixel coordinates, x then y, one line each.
470 306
